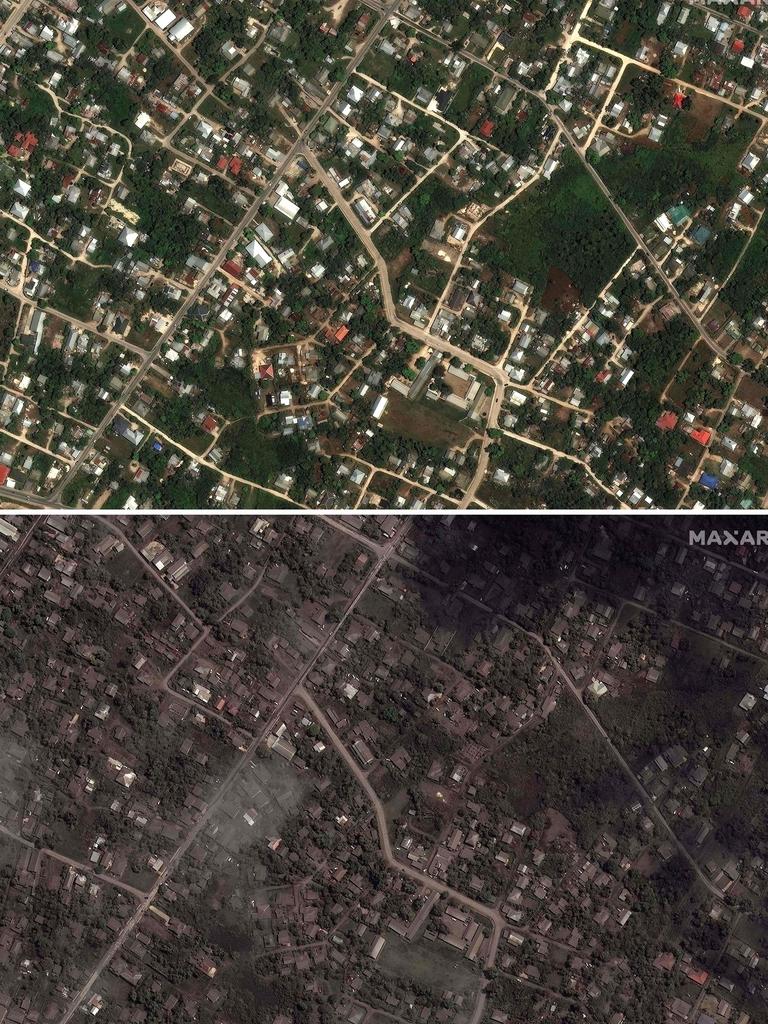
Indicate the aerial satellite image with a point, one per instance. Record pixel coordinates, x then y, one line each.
383 456
353 255
395 770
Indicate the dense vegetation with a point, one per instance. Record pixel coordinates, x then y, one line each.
746 290
647 180
565 223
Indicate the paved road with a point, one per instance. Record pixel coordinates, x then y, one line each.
87 869
499 377
639 240
20 544
114 529
573 690
487 913
205 632
234 236
494 372
248 754
13 20
650 806
490 914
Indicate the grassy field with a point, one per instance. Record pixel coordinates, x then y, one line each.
432 964
474 79
563 765
9 311
427 421
565 223
405 77
693 162
76 291
693 383
125 26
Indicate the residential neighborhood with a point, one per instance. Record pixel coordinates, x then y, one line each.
383 257
349 769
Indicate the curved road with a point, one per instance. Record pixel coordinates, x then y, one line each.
233 238
145 903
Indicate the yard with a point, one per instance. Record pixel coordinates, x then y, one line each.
696 161
431 422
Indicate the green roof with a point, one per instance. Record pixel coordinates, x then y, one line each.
678 214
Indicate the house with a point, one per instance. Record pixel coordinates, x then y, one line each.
701 435
287 207
363 753
180 30
259 253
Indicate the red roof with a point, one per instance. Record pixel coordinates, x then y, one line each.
702 435
235 165
209 424
342 332
700 977
5 472
266 371
27 140
222 163
667 421
486 129
738 46
744 12
679 99
233 268
14 151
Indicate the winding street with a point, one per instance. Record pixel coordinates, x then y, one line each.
487 913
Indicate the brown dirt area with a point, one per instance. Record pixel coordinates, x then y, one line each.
560 294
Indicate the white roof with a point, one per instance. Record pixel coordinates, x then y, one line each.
286 207
379 406
257 251
166 19
181 30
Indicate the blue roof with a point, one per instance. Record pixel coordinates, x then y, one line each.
707 480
